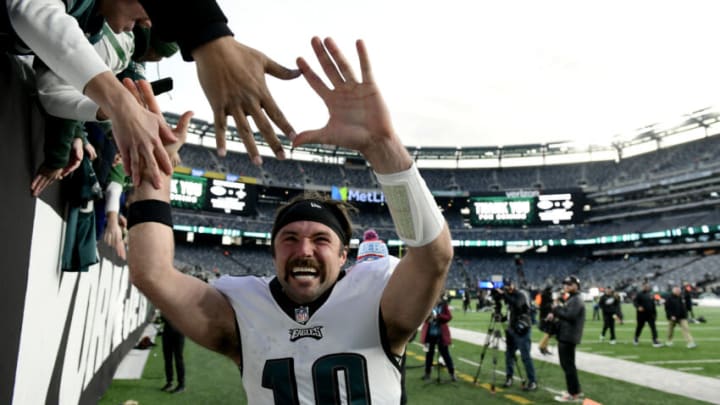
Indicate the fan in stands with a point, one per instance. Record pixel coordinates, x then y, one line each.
372 247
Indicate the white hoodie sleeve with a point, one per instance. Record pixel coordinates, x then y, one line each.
61 99
56 38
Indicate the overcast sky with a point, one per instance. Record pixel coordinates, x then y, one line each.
482 73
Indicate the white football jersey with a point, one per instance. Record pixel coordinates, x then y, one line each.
335 356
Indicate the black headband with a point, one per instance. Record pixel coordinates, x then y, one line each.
315 211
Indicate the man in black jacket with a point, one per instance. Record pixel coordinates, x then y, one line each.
610 306
571 320
677 314
646 313
518 334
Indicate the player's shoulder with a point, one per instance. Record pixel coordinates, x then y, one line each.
380 265
228 284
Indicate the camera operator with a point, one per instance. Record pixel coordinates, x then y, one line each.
518 333
436 332
571 320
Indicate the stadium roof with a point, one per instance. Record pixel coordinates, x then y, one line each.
692 126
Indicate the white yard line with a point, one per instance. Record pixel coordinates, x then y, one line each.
672 381
683 361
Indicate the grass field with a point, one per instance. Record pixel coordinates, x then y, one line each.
212 379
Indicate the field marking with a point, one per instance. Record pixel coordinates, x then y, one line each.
691 368
628 356
683 361
470 362
513 397
516 378
518 399
617 326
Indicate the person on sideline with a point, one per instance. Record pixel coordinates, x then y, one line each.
173 347
518 334
646 313
677 314
687 297
571 320
610 306
436 332
548 328
291 334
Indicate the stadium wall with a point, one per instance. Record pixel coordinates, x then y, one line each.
64 333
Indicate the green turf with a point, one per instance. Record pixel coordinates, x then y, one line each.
705 334
212 379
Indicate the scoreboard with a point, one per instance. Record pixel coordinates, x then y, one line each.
188 191
201 193
526 208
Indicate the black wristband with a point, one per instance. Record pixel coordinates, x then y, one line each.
149 211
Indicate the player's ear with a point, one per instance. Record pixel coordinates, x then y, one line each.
343 255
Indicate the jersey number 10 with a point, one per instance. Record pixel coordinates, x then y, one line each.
279 376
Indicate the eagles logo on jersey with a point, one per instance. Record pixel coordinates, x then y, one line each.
314 332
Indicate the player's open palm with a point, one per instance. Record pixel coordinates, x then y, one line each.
359 118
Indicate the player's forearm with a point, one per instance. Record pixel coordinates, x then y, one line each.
390 157
150 255
417 219
150 244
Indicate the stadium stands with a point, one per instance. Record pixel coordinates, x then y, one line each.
667 190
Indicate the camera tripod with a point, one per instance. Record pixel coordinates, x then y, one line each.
492 341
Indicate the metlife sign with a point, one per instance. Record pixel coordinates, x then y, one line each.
352 195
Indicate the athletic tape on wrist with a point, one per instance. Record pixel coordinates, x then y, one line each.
112 197
149 211
418 220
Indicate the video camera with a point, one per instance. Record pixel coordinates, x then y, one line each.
493 285
490 284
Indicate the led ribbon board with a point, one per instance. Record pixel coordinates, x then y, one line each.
501 210
231 197
526 208
188 192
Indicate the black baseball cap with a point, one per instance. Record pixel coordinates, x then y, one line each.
572 280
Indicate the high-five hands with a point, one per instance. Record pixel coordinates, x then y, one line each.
358 115
233 78
142 91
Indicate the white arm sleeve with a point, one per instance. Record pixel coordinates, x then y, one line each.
112 197
418 220
56 38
